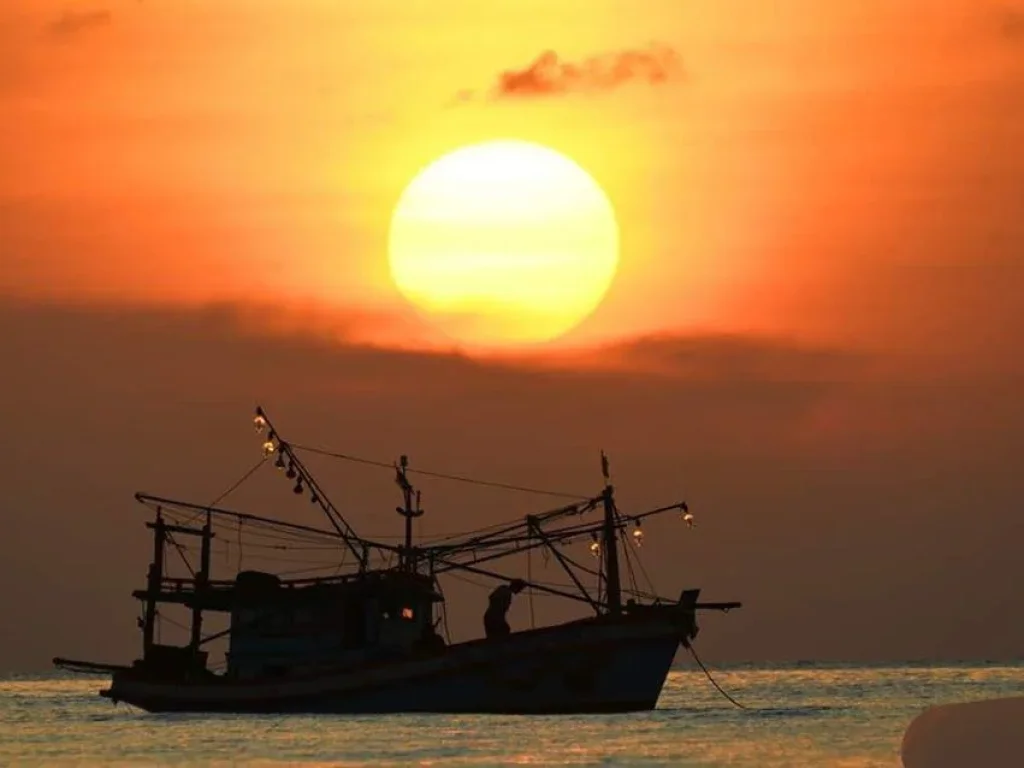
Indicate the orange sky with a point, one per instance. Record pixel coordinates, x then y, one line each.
819 287
247 151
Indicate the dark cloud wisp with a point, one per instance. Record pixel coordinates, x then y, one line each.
71 23
1011 24
551 75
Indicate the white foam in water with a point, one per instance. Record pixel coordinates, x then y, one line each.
981 734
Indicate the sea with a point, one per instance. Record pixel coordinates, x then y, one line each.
842 716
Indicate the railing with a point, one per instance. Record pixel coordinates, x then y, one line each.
180 585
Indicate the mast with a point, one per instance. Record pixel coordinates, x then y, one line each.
156 575
610 536
202 580
406 560
154 592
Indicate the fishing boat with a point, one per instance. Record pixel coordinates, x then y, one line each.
367 638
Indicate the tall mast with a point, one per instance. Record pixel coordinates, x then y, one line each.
406 561
611 547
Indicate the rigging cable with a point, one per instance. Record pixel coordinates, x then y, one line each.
444 611
234 487
506 524
529 582
647 578
696 658
341 563
441 475
467 580
174 623
240 521
308 569
231 489
629 566
181 553
625 550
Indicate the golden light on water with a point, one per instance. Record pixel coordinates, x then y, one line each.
504 243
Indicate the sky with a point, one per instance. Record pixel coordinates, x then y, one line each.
813 335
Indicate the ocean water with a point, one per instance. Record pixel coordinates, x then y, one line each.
801 715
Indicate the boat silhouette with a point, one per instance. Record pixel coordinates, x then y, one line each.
366 640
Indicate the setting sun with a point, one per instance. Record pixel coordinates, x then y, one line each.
504 242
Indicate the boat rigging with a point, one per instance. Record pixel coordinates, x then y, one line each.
364 638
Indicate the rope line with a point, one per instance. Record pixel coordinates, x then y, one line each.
231 489
441 475
529 581
234 487
181 553
696 658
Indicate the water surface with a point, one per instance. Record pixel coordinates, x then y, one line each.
811 715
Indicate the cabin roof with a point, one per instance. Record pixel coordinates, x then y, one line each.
259 588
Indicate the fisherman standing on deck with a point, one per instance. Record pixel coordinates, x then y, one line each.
499 602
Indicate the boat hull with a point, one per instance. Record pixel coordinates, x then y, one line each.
591 666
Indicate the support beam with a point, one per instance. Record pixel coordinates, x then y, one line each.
168 528
202 580
502 577
156 575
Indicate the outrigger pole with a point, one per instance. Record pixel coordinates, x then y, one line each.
297 469
165 503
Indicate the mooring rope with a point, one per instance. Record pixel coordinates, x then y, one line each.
711 680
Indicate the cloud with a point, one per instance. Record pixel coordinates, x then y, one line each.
550 75
735 357
72 23
112 401
1011 24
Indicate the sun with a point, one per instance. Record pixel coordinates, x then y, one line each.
504 243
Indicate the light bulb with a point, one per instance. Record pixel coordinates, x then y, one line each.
268 447
688 519
638 535
259 422
595 548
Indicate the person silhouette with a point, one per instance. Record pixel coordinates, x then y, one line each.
499 602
